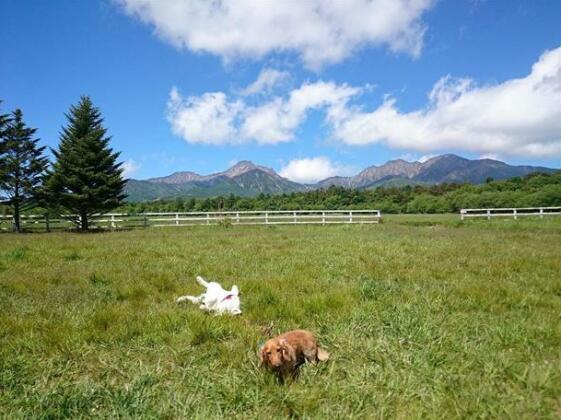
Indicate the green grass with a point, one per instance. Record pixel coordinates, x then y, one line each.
424 317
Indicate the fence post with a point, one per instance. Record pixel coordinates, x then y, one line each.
350 216
515 217
294 214
323 218
237 217
488 214
47 226
266 217
112 221
462 214
541 213
177 218
208 219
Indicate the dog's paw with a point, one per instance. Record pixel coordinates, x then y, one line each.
323 356
191 299
202 281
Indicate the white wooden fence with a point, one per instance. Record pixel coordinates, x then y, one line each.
510 212
125 220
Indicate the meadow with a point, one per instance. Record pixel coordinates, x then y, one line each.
424 317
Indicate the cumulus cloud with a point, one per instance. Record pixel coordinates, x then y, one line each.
412 157
517 117
266 81
492 156
311 170
208 119
214 118
130 168
424 158
277 120
319 31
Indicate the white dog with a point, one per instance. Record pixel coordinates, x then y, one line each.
215 299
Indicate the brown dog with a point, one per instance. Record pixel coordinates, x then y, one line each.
284 354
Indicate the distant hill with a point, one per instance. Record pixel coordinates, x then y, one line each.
247 179
437 170
243 179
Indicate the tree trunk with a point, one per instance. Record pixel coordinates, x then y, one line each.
83 221
17 217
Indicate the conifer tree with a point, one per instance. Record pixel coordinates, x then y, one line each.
4 120
86 178
22 165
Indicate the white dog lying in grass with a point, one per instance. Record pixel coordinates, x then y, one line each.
215 299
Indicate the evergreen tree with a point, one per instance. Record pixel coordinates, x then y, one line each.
86 177
22 165
4 120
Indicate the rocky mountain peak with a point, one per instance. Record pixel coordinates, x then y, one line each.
244 166
397 167
246 178
177 178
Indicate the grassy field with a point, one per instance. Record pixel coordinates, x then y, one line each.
424 317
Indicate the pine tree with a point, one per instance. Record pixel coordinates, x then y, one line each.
85 178
4 120
22 165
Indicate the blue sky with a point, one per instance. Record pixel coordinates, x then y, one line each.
309 89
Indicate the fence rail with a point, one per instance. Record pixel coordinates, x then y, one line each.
510 212
126 220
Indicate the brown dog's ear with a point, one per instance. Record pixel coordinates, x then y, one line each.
261 355
288 352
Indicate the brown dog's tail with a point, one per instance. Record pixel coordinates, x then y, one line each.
322 355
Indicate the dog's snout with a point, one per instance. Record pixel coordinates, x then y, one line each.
276 363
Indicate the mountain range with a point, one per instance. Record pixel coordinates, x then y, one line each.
248 179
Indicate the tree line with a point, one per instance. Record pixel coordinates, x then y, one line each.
85 177
534 190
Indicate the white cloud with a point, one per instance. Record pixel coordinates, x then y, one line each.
517 117
320 31
130 168
424 158
409 157
492 156
277 120
266 81
311 170
209 118
413 157
213 118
